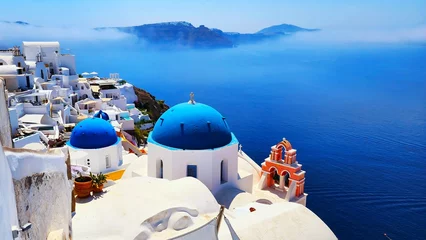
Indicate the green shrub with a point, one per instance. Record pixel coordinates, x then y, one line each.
98 179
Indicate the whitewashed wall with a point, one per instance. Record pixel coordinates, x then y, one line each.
8 214
66 114
98 157
69 62
120 103
31 109
30 50
19 110
82 88
22 81
127 124
208 164
19 60
5 127
13 117
20 143
42 190
128 91
11 82
40 67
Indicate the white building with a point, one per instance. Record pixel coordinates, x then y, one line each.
43 85
46 61
90 107
193 139
82 88
14 70
95 144
107 89
50 54
16 79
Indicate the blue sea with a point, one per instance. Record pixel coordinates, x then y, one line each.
356 113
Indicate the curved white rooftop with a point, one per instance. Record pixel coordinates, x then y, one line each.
135 199
119 213
41 44
283 221
8 70
31 64
7 59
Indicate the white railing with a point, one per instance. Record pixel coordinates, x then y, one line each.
43 137
250 161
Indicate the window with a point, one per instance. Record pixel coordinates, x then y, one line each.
223 172
107 161
28 81
159 169
191 171
45 128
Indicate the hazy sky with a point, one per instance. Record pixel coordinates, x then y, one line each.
228 15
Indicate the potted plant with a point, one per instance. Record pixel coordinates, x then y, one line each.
98 181
83 186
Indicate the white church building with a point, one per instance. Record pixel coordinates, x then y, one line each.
95 144
193 140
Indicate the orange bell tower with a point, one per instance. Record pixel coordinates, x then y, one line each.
280 171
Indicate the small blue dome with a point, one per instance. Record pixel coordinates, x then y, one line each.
101 114
93 133
191 126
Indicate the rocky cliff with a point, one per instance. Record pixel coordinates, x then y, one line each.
147 101
182 34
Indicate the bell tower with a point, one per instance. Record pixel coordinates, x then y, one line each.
282 172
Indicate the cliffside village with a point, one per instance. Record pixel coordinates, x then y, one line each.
46 97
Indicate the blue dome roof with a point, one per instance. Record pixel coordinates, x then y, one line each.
93 133
101 114
191 126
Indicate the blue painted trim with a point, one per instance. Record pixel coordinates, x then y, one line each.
152 141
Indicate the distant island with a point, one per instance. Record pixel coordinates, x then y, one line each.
16 22
184 34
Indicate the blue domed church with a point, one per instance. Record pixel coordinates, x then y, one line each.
193 140
94 143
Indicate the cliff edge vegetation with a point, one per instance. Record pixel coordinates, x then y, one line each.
146 100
